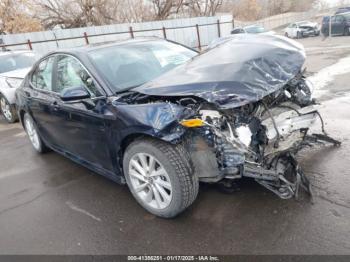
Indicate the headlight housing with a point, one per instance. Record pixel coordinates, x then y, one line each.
14 82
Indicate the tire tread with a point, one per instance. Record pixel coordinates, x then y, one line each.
180 161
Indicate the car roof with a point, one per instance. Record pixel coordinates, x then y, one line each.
15 52
96 46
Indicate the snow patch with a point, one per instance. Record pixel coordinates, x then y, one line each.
325 76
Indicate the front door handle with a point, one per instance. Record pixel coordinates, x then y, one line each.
55 105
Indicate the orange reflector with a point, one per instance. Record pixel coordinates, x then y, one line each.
192 123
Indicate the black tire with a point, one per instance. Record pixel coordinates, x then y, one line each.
286 34
176 161
346 31
12 117
299 35
41 148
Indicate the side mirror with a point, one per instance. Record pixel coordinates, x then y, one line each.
74 93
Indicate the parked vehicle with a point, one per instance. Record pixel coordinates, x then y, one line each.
14 65
160 117
342 10
340 25
252 29
302 29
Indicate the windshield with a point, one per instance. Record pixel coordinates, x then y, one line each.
13 62
255 29
130 65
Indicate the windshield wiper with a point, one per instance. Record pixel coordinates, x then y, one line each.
124 90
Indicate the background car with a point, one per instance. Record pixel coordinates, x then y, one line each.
340 24
14 65
252 29
302 29
343 10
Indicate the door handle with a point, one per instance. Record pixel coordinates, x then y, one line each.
55 105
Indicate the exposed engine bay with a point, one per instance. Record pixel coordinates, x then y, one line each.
259 140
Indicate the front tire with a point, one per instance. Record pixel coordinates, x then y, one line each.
160 177
33 134
298 35
8 110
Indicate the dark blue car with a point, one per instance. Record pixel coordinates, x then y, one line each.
160 117
340 24
342 10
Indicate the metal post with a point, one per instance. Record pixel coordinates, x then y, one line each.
219 31
233 23
330 26
199 38
131 32
54 34
30 44
86 38
164 32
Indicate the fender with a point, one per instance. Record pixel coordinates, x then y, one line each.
7 92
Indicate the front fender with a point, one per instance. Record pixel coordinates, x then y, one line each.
9 94
160 120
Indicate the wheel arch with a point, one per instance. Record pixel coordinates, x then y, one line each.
129 138
9 94
21 114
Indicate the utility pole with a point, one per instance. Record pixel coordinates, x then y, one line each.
330 26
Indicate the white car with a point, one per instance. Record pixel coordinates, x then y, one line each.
252 29
14 65
302 29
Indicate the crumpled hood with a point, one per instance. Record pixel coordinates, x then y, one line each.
234 71
309 24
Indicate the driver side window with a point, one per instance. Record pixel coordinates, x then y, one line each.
42 76
70 73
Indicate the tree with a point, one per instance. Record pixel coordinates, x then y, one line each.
203 7
164 8
15 17
249 10
76 13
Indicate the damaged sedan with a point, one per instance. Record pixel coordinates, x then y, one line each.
160 117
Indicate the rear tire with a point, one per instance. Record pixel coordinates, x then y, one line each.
8 110
298 35
33 134
152 165
346 31
286 34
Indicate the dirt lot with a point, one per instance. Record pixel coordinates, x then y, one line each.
50 205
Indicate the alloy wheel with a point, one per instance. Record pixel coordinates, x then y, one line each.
150 181
32 133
